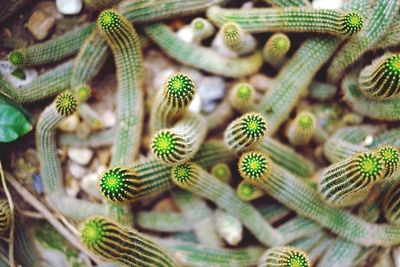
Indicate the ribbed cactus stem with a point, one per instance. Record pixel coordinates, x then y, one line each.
181 142
5 216
222 172
381 79
238 40
302 129
284 256
247 191
245 132
193 178
391 205
171 101
121 245
293 19
276 48
201 28
124 43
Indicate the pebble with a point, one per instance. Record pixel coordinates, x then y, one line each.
185 34
77 171
80 155
40 24
396 256
210 89
8 70
261 82
69 7
72 188
90 182
70 124
195 105
109 119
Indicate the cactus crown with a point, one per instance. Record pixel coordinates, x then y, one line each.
164 143
180 88
66 103
198 24
370 165
93 232
246 189
253 125
231 31
254 166
221 171
115 183
83 92
278 44
393 65
297 258
390 156
305 120
109 20
352 23
182 173
244 91
16 58
285 256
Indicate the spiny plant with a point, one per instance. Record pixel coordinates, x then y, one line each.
241 97
347 182
125 45
66 104
301 129
172 101
181 142
82 92
276 48
121 245
222 172
5 216
254 166
245 132
118 184
381 79
391 157
201 28
237 39
248 191
341 23
284 256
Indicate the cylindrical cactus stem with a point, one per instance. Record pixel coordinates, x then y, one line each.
238 40
241 97
254 166
247 191
125 45
82 92
391 205
193 178
150 178
288 3
52 50
347 182
201 57
381 79
293 19
94 140
275 49
121 245
392 37
100 4
284 256
245 132
391 158
199 216
90 116
301 129
201 28
171 101
222 172
5 216
181 142
164 222
322 91
7 89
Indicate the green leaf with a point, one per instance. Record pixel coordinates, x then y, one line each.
13 122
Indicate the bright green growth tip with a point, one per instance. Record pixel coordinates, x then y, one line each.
390 155
16 58
164 143
180 86
352 23
198 24
117 183
285 256
306 120
109 20
20 74
370 165
66 104
254 166
244 91
247 189
93 232
222 172
393 65
83 92
231 30
253 125
297 259
182 173
279 44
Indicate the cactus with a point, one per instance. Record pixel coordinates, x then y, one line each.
276 48
284 256
301 129
241 97
234 37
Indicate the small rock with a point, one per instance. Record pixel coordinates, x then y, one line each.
104 156
69 7
261 82
109 119
49 7
39 24
195 105
90 183
165 205
72 188
80 155
185 34
70 124
83 130
77 171
247 6
211 88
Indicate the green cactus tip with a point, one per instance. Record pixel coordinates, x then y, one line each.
284 256
16 58
117 184
66 104
352 23
254 125
278 44
109 20
164 143
93 232
83 92
182 173
180 89
254 166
